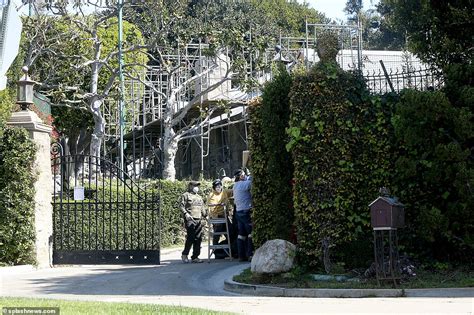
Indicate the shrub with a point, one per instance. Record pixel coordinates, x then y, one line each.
17 234
272 167
6 104
341 150
434 173
172 229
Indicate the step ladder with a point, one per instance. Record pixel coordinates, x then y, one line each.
211 247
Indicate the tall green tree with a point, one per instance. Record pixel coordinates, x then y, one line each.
174 25
289 17
353 7
377 31
439 32
271 164
433 130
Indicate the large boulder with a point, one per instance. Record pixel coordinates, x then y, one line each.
274 256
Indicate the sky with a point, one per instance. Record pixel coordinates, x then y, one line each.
333 9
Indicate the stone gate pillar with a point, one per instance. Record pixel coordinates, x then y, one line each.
40 134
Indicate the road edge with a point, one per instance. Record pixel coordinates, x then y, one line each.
263 290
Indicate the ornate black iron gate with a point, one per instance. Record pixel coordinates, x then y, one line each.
100 216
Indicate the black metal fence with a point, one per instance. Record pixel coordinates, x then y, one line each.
394 81
100 215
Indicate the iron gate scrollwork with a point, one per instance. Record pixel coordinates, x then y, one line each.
100 216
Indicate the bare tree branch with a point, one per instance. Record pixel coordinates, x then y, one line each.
196 99
130 49
151 86
195 125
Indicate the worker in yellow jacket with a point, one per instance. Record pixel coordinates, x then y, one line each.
218 201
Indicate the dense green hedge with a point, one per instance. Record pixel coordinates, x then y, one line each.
172 229
272 167
17 155
434 172
346 144
341 152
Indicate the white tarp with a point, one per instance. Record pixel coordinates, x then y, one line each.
10 35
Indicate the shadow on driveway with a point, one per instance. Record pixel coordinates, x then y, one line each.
172 277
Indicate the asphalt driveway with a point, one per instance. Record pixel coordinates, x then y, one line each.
197 285
172 277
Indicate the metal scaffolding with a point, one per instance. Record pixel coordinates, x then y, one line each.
303 49
146 97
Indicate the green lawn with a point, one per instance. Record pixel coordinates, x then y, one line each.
460 278
80 307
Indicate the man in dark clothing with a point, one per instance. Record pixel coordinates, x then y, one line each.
193 209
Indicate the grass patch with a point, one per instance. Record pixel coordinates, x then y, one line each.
83 307
457 278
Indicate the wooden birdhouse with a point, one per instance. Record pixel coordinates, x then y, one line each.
387 212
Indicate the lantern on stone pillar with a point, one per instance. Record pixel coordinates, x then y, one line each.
25 90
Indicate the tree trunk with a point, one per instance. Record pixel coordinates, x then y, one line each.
78 143
97 135
99 127
170 148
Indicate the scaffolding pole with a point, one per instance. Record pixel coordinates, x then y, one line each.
122 85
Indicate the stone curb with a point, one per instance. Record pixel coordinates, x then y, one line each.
262 290
440 292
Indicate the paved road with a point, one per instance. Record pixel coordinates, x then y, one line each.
172 277
198 285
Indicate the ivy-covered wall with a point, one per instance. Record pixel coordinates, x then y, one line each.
340 145
272 167
17 233
347 143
